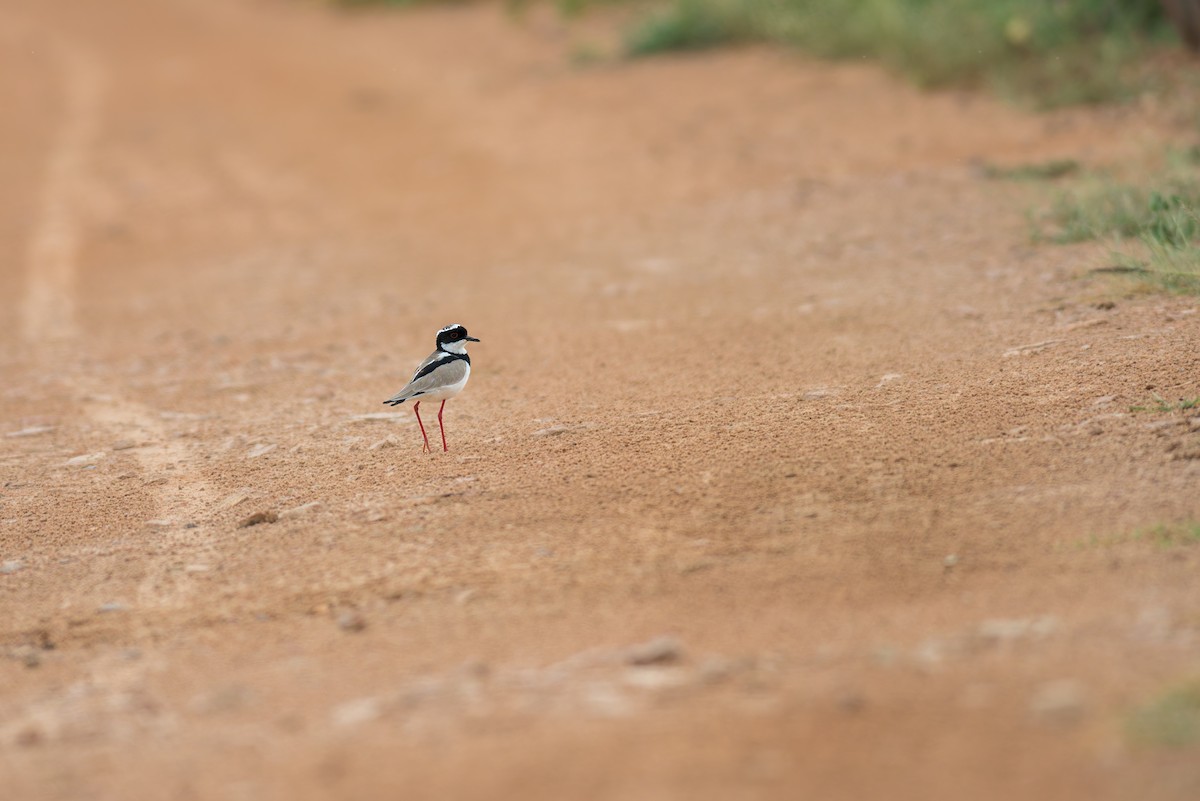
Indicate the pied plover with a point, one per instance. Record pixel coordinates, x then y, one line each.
440 377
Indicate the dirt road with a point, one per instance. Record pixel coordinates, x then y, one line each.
788 468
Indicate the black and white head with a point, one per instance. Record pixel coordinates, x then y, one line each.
454 339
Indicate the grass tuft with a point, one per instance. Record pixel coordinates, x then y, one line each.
1171 245
1172 535
1051 54
1161 404
399 3
1044 171
1154 226
1162 535
1037 51
1172 720
1099 208
693 25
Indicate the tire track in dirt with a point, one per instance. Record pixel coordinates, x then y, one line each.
50 316
48 308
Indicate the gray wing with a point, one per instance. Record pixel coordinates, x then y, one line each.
450 373
404 394
437 355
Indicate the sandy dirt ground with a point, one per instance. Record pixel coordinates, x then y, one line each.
789 468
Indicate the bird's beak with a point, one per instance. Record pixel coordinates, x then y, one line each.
472 339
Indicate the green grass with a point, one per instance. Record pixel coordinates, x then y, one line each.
397 3
1154 225
1043 52
1100 207
1043 171
1172 535
1172 720
1162 535
1160 404
1171 241
1048 53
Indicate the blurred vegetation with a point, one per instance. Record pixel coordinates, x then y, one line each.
1043 52
1101 207
1162 405
365 3
1171 721
1046 53
1163 535
1045 171
1154 224
1170 244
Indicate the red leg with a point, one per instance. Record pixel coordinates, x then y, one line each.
417 408
441 428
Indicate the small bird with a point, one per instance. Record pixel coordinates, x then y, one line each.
440 377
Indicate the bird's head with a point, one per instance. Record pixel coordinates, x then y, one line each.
453 339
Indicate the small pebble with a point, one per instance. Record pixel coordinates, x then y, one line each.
656 678
298 511
31 431
257 518
232 500
224 699
360 710
716 669
1059 701
29 737
659 651
28 655
851 702
351 620
551 431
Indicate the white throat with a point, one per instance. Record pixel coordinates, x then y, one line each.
456 347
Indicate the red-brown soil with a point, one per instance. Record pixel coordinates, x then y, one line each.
769 370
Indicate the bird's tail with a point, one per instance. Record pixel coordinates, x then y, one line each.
394 402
